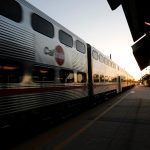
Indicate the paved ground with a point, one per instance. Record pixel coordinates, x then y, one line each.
126 126
121 125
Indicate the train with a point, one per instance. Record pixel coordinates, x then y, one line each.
46 69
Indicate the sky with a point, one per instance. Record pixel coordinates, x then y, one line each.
98 25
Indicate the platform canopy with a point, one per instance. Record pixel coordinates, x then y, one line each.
137 13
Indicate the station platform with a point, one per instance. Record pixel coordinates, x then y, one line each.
123 126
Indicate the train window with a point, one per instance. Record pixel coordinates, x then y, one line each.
102 79
95 55
110 79
43 74
65 38
81 77
101 59
109 63
66 76
80 47
123 79
105 61
42 26
114 66
10 73
11 10
106 78
96 78
114 79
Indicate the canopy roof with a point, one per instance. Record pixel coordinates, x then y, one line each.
137 13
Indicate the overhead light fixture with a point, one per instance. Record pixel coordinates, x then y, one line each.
147 23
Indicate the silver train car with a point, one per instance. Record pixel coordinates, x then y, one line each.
45 68
106 76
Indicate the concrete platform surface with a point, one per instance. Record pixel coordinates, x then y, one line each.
122 124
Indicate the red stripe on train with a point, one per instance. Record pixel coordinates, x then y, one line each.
19 91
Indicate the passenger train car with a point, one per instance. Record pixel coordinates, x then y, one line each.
106 76
45 68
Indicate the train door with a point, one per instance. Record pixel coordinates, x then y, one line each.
90 82
119 89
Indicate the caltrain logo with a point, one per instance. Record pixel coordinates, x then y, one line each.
59 55
48 51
